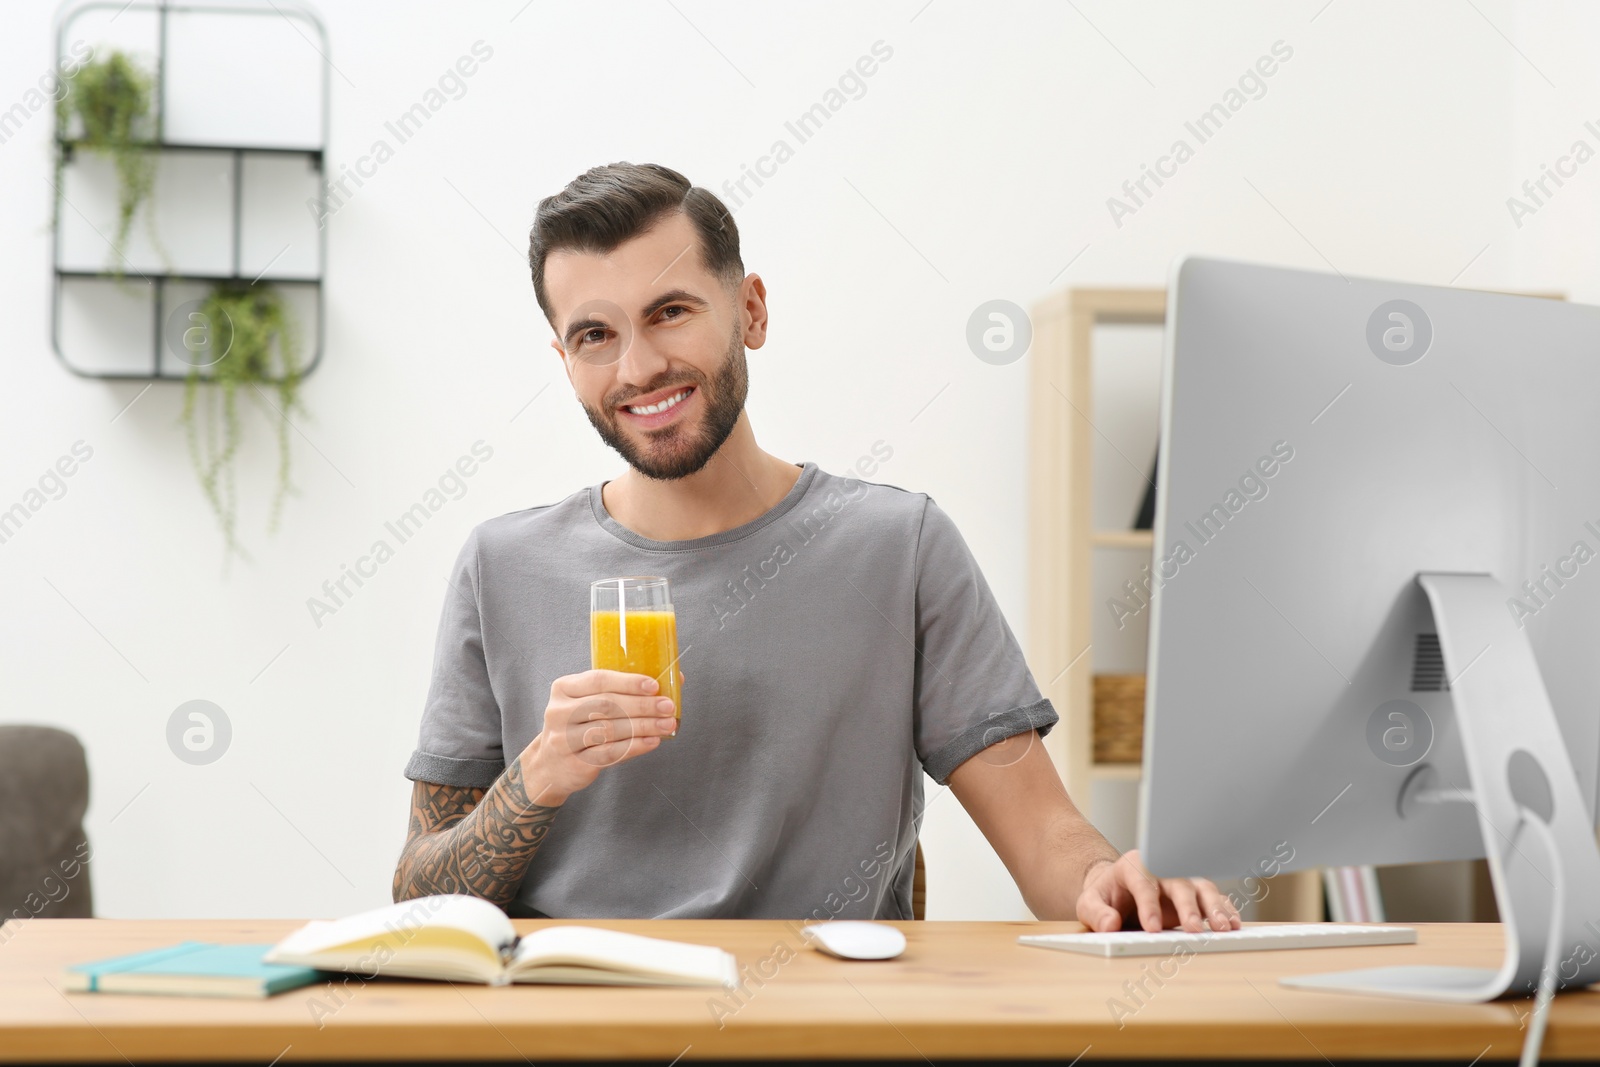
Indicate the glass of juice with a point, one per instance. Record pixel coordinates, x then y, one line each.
632 628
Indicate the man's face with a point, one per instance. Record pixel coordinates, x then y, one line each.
654 346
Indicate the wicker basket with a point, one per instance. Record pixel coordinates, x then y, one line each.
1118 718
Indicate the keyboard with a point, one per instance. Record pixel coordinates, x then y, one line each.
1252 938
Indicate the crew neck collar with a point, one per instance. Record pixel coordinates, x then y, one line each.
808 474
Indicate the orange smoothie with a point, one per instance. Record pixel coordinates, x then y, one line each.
652 649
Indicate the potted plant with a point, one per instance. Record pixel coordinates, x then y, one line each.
110 98
242 341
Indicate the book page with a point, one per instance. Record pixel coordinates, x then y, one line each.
397 924
612 950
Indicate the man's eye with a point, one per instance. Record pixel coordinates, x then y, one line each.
595 336
666 312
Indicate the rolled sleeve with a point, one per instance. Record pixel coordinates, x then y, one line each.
1040 715
973 686
460 740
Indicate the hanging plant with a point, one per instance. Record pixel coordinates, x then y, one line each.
236 334
111 98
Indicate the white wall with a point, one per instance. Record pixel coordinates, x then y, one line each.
976 165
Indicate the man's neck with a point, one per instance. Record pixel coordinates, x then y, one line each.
739 485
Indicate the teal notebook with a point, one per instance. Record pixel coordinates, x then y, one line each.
192 968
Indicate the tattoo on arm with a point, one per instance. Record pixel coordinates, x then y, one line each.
465 840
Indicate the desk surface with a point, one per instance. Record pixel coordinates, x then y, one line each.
960 990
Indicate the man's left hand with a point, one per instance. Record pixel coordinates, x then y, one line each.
1119 890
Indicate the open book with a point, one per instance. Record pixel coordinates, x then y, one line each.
453 937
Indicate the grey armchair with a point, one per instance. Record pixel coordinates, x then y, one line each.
44 853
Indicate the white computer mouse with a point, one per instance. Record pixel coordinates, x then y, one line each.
852 939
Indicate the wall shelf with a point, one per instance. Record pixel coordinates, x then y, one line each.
240 120
70 145
209 278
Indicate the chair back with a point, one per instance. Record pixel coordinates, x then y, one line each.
44 792
919 887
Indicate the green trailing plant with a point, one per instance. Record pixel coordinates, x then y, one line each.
111 98
235 335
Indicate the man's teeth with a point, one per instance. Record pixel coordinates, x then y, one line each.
653 409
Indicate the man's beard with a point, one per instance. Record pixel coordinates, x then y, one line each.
676 451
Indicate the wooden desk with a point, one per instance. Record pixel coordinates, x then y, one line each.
960 990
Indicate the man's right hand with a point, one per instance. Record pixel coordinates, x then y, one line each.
594 720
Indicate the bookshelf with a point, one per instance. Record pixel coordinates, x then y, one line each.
1063 544
1062 539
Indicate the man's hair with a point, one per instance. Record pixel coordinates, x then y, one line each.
606 206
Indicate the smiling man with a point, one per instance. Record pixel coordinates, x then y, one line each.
837 640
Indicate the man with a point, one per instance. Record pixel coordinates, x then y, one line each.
836 636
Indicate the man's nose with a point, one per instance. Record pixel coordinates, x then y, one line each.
641 361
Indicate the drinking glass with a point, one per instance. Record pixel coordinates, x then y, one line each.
632 628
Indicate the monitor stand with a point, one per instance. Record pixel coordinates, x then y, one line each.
1543 858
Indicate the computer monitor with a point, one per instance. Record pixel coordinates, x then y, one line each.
1376 571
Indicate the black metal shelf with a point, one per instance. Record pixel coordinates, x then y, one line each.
66 147
162 367
134 273
71 144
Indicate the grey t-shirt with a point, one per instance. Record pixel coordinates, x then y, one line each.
833 648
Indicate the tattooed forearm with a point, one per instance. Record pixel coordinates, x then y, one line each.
464 840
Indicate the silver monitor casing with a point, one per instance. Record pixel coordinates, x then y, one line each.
1456 459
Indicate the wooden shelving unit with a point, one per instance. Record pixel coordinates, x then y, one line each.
1061 536
1062 542
1122 539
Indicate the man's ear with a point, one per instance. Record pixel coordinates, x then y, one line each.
753 308
566 364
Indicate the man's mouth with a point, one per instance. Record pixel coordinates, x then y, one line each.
658 408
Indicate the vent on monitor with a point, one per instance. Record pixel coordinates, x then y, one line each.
1427 668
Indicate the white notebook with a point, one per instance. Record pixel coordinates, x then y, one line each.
454 937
